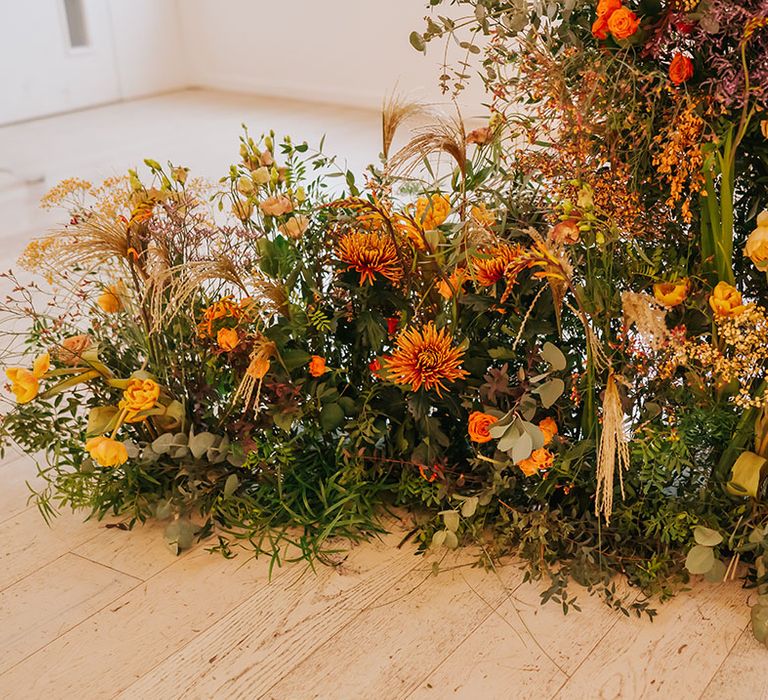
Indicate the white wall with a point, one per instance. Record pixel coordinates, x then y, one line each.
135 49
352 52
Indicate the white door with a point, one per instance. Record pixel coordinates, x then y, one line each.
55 56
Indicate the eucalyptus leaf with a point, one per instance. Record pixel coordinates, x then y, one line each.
522 448
469 507
700 559
550 391
199 444
706 536
717 573
163 443
554 357
451 540
230 485
180 534
451 520
438 539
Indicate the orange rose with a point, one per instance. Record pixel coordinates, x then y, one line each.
726 300
227 339
623 23
680 69
671 294
478 425
107 452
317 366
548 429
757 243
539 460
607 7
600 28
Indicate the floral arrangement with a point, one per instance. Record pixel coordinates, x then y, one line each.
546 335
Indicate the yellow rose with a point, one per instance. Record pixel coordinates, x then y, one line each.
107 452
726 300
671 294
757 243
227 339
432 211
24 384
140 395
110 300
482 215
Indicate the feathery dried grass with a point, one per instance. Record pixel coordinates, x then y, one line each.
395 113
613 446
648 317
444 136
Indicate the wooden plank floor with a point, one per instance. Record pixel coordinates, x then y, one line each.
90 612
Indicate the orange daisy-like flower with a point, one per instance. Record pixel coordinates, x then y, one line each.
425 357
370 254
491 269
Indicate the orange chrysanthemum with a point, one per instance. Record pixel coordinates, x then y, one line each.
491 269
370 254
425 357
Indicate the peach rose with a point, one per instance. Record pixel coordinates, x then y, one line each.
680 69
107 452
317 366
478 425
757 243
295 226
539 460
227 339
279 205
671 294
72 349
726 300
623 23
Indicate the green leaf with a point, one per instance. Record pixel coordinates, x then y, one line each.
522 448
417 41
759 617
293 358
451 540
331 417
700 559
101 420
550 391
706 536
438 539
554 357
745 475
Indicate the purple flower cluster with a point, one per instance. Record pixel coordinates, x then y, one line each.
717 38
